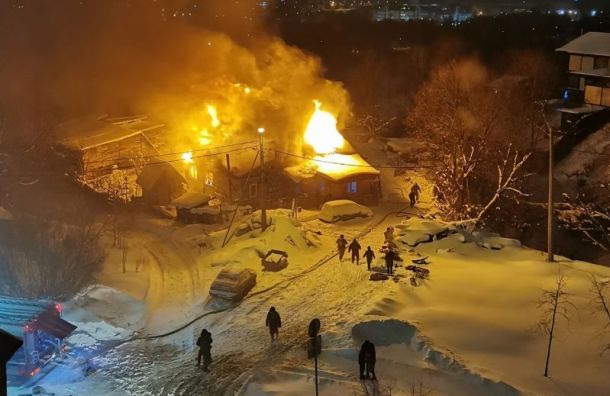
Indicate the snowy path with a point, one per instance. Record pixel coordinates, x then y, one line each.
242 350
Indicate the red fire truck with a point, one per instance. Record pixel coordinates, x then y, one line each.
39 325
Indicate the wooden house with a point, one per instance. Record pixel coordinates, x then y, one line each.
338 176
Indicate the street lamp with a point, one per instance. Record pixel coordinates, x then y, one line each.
261 153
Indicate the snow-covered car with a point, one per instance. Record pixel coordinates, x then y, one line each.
343 209
233 285
275 260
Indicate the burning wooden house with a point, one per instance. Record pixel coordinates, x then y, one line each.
335 176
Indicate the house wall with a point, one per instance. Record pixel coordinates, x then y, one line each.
313 192
98 160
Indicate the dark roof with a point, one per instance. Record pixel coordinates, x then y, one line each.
8 346
155 170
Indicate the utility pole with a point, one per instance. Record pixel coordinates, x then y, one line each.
261 132
550 227
229 179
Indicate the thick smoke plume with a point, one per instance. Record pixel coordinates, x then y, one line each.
61 59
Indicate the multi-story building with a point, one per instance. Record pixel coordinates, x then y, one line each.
588 88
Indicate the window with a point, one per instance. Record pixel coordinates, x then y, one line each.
587 63
575 61
593 95
601 62
209 179
606 97
352 187
322 186
253 190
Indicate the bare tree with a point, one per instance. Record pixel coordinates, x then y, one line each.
555 305
601 305
509 178
590 218
374 125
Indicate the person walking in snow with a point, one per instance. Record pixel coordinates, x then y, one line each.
366 359
416 190
412 199
341 245
204 342
389 261
369 255
273 322
355 247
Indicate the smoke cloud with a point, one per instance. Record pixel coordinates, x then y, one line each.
61 59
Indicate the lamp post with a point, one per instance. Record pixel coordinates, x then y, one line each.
261 133
550 215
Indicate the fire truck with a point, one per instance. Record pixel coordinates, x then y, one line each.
38 324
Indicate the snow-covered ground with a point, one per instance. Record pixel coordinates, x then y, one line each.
467 330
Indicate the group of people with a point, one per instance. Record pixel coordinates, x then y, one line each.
366 357
354 248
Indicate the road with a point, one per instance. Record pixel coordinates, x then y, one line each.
241 343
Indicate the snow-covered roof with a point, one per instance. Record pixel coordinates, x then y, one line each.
592 43
190 200
584 109
5 214
92 131
334 166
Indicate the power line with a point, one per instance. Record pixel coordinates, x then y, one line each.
176 153
123 167
353 165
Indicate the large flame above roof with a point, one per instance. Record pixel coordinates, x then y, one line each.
321 132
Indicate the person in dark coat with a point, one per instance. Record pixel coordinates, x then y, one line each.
355 247
412 199
274 322
366 359
416 189
369 255
341 245
389 261
204 342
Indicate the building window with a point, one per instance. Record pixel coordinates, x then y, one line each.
253 190
575 62
322 186
352 187
601 62
593 95
209 179
588 63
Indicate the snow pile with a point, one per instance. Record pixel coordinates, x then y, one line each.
343 209
102 314
418 230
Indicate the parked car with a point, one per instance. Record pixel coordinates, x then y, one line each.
233 284
343 209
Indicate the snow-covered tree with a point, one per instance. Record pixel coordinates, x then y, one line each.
464 122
